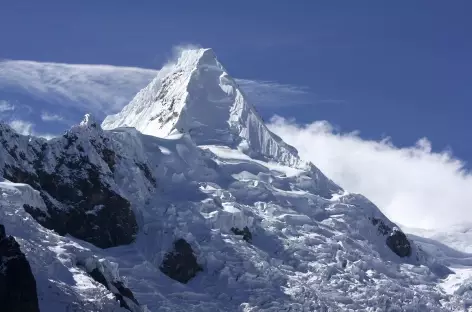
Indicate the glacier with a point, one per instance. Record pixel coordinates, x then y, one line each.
192 161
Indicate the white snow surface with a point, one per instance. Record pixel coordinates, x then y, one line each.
197 96
309 253
216 167
453 247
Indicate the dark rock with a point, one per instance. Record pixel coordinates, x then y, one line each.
399 244
382 228
180 263
98 277
396 239
247 236
147 173
17 283
106 153
109 157
125 291
79 203
95 213
122 291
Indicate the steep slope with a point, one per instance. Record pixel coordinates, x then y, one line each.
227 217
51 97
196 96
74 176
305 251
17 283
452 246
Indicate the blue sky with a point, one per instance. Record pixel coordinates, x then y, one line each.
399 69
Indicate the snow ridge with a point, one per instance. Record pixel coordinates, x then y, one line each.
307 252
266 231
197 96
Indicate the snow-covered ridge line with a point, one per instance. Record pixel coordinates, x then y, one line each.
245 224
197 96
203 210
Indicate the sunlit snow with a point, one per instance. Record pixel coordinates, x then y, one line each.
217 166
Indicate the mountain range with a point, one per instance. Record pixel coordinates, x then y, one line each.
185 201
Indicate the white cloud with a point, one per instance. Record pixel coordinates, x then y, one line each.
413 186
274 94
27 128
21 126
105 89
45 116
65 92
6 106
93 88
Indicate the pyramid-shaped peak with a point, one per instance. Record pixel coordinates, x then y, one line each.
196 56
195 95
193 58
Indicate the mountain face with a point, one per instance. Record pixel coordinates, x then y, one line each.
17 283
185 201
197 96
73 176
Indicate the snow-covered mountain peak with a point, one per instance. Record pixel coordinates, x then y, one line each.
197 96
196 57
105 215
88 121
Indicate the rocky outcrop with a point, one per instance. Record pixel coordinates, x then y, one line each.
382 228
73 174
396 239
83 205
117 288
180 263
101 274
17 283
398 243
245 233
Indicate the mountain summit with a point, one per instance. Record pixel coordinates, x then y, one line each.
207 211
195 95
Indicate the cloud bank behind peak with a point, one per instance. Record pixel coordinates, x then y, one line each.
413 186
105 89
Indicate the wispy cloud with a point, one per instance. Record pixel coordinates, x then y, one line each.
274 94
45 116
27 128
65 92
414 185
105 89
21 126
6 106
99 89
